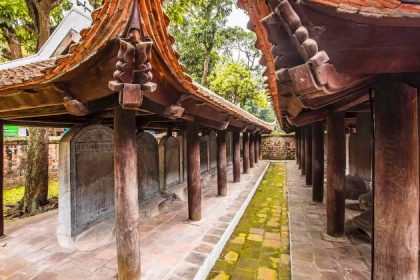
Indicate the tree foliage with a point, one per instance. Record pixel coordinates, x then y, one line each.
25 25
221 57
198 26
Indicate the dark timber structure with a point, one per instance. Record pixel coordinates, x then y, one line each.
124 74
351 66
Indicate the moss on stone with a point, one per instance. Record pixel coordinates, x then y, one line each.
250 255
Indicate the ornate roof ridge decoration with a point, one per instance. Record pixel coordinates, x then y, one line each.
110 25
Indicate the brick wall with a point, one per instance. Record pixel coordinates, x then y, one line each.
15 149
278 147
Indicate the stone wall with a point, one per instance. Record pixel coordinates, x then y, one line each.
15 150
278 147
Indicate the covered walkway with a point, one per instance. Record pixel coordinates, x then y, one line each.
172 248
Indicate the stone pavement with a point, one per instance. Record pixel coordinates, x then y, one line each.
172 248
315 255
259 246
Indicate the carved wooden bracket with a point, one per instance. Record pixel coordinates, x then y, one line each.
133 75
174 112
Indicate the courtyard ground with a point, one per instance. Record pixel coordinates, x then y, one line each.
259 246
254 245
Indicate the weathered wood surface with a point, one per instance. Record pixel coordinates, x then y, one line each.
148 165
221 164
352 153
245 139
318 162
127 216
1 179
297 136
308 155
193 172
236 156
396 218
251 150
302 150
257 147
336 166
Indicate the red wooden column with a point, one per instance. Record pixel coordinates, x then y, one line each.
396 222
251 150
245 139
236 156
302 150
194 172
257 147
336 173
318 162
308 155
221 164
1 179
127 216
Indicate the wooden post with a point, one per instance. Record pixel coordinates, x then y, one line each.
236 156
245 139
1 179
297 146
260 145
318 162
194 172
336 173
221 164
396 218
308 155
251 150
352 152
257 147
302 151
127 216
363 146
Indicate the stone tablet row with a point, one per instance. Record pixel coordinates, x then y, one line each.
86 176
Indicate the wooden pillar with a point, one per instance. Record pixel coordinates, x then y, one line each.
257 147
302 151
194 172
352 152
318 162
336 173
260 145
251 150
308 155
363 146
236 156
221 164
127 216
396 221
245 139
1 179
297 146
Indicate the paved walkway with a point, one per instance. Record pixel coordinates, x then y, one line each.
315 255
259 246
171 247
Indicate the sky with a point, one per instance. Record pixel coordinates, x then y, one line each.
238 18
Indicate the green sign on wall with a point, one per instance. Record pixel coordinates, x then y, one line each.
11 130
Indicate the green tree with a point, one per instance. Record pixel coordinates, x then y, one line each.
198 26
25 26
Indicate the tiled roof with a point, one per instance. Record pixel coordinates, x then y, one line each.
109 22
375 8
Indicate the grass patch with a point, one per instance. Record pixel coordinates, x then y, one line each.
13 196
